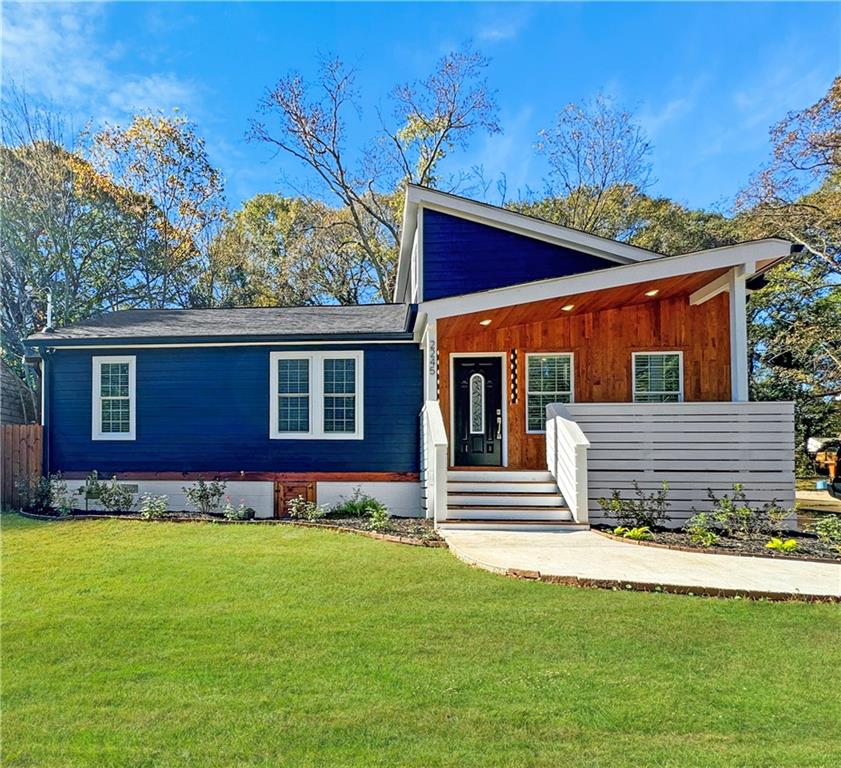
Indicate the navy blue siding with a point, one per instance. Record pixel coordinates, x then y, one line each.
461 256
207 409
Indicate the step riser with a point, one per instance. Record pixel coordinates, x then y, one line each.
501 487
489 513
505 501
502 476
502 526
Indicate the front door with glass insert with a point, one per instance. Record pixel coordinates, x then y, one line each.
477 418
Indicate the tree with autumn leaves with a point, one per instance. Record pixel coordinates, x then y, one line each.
134 215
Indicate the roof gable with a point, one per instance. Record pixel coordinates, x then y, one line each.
463 256
422 199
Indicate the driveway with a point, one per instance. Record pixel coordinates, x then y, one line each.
591 558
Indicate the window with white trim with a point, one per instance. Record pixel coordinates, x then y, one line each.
316 395
549 379
658 377
113 398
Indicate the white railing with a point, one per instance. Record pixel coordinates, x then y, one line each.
566 459
433 461
692 446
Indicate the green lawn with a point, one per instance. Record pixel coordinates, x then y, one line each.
136 644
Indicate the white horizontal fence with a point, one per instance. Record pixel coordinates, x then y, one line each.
566 459
433 461
693 447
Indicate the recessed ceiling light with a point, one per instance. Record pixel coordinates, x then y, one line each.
485 322
568 307
652 292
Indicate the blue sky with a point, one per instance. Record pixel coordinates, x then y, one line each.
705 80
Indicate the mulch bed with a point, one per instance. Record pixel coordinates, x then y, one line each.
413 531
809 547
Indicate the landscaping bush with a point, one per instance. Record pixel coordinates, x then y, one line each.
206 496
641 533
735 516
379 517
701 529
239 512
301 509
115 497
646 510
358 505
780 545
828 530
45 495
153 507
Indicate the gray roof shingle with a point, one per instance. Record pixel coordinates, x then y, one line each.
366 320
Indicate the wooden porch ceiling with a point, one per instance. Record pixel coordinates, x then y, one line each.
583 303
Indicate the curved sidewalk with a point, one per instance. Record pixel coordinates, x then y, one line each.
589 559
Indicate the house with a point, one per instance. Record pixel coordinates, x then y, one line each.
524 370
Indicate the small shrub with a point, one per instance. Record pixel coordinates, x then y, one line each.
735 516
115 497
204 496
301 509
828 530
379 517
701 529
60 499
35 495
780 545
358 505
640 533
153 507
239 512
45 495
646 510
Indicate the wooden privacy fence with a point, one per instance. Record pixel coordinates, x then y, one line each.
20 446
692 446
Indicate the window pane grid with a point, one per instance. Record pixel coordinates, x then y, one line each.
548 380
340 377
657 378
340 413
115 409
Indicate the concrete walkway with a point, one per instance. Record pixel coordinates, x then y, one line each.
594 559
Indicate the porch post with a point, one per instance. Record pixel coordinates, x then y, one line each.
430 360
738 335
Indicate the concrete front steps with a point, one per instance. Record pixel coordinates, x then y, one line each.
505 500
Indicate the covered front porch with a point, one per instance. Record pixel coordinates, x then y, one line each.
600 387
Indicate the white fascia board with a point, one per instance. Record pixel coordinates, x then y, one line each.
613 277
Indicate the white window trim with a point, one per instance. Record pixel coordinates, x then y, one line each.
96 397
656 353
316 395
571 356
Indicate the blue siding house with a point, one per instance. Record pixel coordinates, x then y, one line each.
454 401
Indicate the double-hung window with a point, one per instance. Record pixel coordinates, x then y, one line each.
658 377
113 398
549 379
316 395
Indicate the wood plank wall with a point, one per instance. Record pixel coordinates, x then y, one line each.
20 445
602 343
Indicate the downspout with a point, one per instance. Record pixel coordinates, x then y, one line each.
45 411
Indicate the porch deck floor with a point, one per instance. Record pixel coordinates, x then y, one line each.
586 555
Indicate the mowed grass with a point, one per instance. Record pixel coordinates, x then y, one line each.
136 644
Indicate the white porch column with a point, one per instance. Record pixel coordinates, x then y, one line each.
430 360
738 335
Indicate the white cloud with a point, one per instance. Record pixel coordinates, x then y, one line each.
57 52
498 26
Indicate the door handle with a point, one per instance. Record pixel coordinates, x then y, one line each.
498 426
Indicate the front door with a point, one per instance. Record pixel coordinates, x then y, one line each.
477 398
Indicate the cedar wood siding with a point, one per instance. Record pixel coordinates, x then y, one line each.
462 256
204 409
602 343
